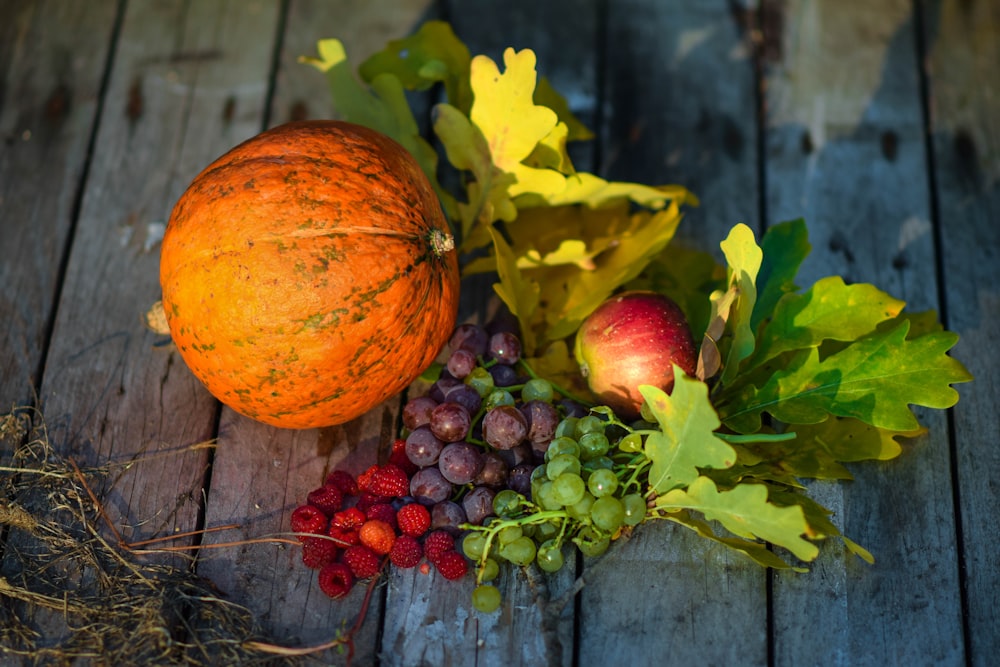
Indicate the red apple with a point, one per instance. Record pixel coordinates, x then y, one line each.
633 338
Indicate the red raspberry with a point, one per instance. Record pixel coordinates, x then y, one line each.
366 499
344 481
437 543
344 537
365 478
398 457
390 481
377 536
308 519
413 519
317 552
335 579
364 562
452 565
406 552
382 512
352 517
327 498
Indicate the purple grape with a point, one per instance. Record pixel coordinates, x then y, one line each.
460 462
440 389
471 337
503 321
461 362
505 347
504 427
423 447
503 376
573 409
493 472
478 504
417 412
429 487
542 421
448 515
519 479
450 422
465 395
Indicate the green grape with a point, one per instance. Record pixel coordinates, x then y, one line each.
562 463
593 445
600 463
562 445
520 552
546 531
568 488
507 503
589 424
508 534
580 511
489 570
481 380
545 497
592 542
498 397
566 427
635 509
631 443
549 556
537 389
608 513
486 598
602 482
473 545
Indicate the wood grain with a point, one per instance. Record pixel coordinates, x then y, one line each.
845 150
963 49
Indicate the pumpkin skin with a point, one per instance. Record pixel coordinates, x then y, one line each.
308 274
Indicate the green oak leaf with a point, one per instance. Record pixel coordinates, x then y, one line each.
756 551
829 310
874 379
744 257
784 247
685 440
745 511
848 440
520 294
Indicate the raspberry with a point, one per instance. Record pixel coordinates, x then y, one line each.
452 565
382 512
413 519
364 562
406 552
365 478
335 579
366 499
398 457
345 537
377 536
437 543
317 552
352 517
389 481
328 498
344 481
308 519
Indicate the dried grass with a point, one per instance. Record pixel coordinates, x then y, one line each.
70 594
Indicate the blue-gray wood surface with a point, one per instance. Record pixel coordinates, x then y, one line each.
879 123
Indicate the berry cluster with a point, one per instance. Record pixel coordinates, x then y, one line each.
350 526
497 465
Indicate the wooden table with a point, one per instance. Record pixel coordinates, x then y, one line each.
879 123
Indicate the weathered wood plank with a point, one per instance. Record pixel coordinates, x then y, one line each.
845 150
183 74
680 109
52 61
429 620
963 49
260 474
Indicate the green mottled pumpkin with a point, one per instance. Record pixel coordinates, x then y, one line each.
308 274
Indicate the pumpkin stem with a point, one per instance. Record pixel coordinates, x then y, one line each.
441 242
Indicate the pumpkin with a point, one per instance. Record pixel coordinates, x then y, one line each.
308 274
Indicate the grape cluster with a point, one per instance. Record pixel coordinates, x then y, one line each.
506 461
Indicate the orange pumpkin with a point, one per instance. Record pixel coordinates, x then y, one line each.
308 274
